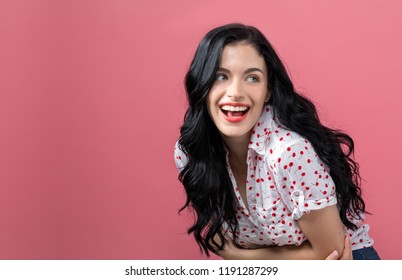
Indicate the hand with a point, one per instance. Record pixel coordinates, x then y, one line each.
230 251
347 252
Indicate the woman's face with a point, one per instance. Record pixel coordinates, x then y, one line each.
236 99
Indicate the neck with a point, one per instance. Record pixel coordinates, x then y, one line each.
237 149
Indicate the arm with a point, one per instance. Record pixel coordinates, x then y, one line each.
231 252
347 251
323 229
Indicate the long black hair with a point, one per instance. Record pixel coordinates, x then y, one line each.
205 177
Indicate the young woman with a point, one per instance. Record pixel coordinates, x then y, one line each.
259 169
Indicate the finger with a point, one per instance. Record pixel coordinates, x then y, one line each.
347 251
333 256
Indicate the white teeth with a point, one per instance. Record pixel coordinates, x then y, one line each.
233 108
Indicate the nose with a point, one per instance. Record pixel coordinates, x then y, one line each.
235 90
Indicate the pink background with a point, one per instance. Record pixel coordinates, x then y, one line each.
92 98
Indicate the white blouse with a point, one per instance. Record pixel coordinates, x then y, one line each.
285 180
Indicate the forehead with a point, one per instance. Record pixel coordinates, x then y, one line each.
243 55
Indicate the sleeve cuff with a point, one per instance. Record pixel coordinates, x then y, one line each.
304 206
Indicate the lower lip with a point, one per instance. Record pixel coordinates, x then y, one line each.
235 119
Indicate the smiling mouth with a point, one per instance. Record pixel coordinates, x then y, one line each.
234 111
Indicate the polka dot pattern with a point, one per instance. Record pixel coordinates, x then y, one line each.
285 180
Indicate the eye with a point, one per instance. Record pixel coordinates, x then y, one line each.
221 77
253 79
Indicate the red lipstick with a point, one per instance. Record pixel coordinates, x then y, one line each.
234 116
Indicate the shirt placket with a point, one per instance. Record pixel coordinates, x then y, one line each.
243 210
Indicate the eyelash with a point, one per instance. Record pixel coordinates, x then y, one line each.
256 78
221 76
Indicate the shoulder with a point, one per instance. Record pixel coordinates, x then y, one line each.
291 156
269 137
180 157
301 178
283 143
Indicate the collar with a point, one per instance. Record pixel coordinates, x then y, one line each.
260 135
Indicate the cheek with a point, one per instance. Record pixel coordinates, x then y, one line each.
260 97
210 105
211 100
208 101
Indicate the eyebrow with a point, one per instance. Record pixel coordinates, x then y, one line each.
249 70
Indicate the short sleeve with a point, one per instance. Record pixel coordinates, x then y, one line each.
303 180
180 157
